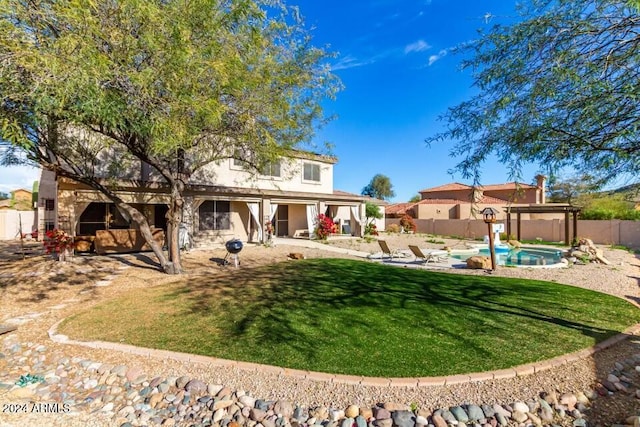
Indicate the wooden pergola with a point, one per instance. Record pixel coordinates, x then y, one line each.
545 208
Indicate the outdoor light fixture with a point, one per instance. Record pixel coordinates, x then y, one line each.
489 216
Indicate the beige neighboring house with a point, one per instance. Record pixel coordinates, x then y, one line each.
222 201
461 201
17 215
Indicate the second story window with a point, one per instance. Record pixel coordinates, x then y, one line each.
49 204
311 172
271 169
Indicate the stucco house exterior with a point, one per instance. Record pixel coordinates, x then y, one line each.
222 201
462 201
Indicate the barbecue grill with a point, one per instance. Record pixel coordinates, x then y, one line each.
234 246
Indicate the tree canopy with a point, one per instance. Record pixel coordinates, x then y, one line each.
559 87
379 187
88 87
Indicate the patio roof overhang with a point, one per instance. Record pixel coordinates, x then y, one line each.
564 208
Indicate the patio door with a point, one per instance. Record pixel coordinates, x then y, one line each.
282 221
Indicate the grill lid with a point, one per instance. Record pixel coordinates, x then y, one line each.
233 246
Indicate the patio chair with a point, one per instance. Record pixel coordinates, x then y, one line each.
386 251
427 255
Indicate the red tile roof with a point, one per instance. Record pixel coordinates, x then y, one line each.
454 186
447 187
398 208
484 200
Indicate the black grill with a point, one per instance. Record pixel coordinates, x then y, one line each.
234 246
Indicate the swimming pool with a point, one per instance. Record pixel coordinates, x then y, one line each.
520 257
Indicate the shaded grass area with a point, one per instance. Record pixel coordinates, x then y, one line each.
360 318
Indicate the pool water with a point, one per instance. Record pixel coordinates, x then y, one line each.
520 257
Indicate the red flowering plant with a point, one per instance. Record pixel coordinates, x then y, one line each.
324 227
57 241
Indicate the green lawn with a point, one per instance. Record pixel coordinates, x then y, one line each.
360 318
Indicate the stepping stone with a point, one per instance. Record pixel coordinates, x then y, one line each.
5 329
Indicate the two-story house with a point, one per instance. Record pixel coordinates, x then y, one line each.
222 201
458 201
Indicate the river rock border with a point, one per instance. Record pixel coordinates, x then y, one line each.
126 397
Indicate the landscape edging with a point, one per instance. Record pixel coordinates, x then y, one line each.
517 371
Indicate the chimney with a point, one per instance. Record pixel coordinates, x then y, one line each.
542 188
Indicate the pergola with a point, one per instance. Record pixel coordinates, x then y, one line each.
545 208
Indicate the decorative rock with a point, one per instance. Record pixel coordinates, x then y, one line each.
257 415
448 417
569 400
518 416
488 411
438 421
352 411
347 422
403 419
474 412
196 387
479 262
535 420
500 410
421 421
119 370
336 415
182 381
283 408
580 422
381 413
387 422
551 398
322 413
459 413
247 401
521 407
366 413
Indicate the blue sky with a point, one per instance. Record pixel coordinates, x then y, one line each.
399 76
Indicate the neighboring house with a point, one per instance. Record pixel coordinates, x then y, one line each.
461 201
17 215
222 201
20 200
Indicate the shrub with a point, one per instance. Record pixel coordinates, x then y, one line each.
324 227
370 229
407 223
57 241
393 228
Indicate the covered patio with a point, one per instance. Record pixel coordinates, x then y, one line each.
547 208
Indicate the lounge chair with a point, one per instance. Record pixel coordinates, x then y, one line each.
426 255
386 251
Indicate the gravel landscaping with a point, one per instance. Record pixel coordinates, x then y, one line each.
106 387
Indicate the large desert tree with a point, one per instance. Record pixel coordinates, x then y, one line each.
379 187
559 87
175 84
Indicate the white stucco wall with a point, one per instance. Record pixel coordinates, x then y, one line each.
225 173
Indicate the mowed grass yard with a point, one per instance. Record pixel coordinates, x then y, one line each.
360 318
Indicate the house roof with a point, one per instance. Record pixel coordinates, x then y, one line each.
398 208
447 187
366 198
455 186
483 200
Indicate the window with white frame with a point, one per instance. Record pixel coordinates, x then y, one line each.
271 169
311 172
215 215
